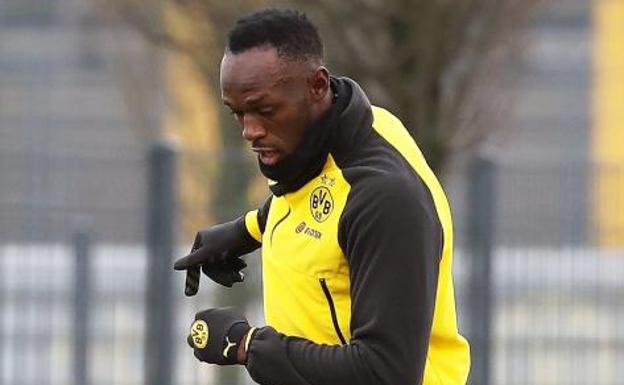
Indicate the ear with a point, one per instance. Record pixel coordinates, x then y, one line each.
318 83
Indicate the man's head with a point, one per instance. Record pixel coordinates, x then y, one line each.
273 80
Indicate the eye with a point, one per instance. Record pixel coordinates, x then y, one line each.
266 111
238 115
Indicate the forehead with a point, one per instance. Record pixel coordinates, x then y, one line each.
255 70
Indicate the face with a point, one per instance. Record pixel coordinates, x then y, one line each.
273 99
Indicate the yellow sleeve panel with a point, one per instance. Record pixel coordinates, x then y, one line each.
446 345
251 223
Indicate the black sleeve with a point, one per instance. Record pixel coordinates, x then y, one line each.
263 213
247 242
392 238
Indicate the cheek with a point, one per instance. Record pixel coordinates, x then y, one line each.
290 127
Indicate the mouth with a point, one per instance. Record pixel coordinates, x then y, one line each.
267 155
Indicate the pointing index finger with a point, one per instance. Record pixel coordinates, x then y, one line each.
192 260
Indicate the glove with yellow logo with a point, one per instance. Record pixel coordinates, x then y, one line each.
217 251
217 334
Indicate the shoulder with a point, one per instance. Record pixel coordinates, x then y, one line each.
382 200
387 211
383 189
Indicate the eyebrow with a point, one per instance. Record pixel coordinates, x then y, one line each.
256 99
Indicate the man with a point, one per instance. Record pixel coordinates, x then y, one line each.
356 238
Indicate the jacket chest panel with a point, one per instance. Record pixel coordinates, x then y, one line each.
295 240
306 281
302 227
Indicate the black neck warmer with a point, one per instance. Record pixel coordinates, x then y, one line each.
308 159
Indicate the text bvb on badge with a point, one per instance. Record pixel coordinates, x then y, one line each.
321 203
199 334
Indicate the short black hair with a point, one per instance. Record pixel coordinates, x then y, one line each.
291 33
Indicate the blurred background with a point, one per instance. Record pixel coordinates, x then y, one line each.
115 150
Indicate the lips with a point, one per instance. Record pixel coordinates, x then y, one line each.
267 155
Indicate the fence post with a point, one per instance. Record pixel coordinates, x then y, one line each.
160 243
481 210
82 245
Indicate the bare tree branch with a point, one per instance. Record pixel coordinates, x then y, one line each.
423 59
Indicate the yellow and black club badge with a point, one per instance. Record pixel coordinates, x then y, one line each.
199 333
321 203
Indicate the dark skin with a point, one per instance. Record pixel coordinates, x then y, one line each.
274 98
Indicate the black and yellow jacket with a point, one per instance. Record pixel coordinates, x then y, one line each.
357 249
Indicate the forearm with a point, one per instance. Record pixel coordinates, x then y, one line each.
274 358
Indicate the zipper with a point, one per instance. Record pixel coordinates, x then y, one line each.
277 224
332 309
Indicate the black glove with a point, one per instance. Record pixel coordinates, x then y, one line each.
216 335
217 251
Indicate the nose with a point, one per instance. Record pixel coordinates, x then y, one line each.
252 128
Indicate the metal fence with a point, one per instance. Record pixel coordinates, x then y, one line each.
541 300
538 310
